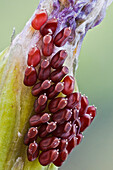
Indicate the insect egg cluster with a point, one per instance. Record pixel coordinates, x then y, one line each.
61 115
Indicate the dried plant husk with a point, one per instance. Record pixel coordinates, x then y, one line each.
16 100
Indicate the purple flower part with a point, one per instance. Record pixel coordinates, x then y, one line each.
77 12
89 7
86 10
61 15
79 5
56 8
71 1
66 18
81 17
70 20
65 12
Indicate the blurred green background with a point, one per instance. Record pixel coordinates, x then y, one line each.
95 79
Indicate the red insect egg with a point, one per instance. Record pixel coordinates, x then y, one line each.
84 105
72 144
62 37
32 148
44 70
79 138
47 46
46 157
85 122
58 59
62 115
58 162
49 27
57 75
64 155
32 157
34 57
37 120
51 127
92 112
63 144
40 103
30 76
49 143
73 100
32 132
39 19
69 84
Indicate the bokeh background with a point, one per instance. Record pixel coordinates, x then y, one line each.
95 79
